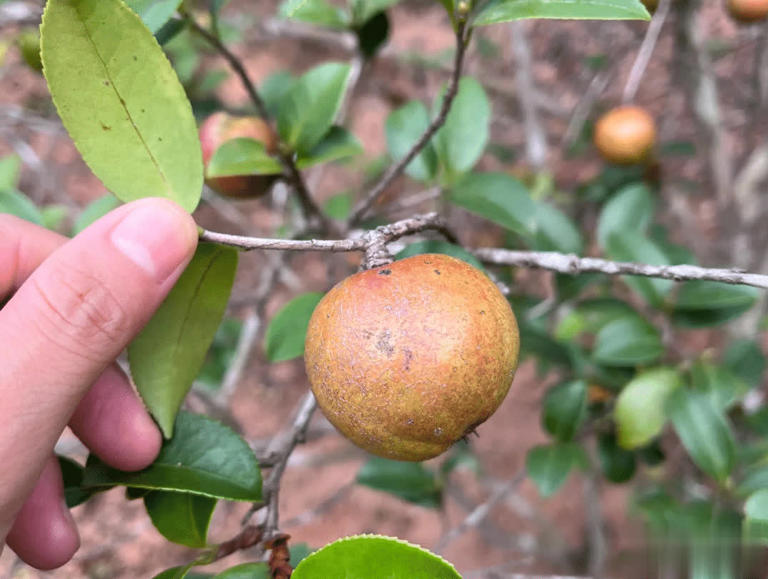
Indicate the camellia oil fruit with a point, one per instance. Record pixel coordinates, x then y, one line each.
407 358
221 127
625 135
747 11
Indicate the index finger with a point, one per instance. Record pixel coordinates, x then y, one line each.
23 247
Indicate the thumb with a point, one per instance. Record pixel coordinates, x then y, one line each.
72 317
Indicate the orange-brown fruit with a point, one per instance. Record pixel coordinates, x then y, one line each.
221 127
747 11
625 135
407 358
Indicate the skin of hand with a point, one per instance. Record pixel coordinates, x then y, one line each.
72 307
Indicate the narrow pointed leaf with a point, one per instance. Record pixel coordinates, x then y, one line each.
121 101
497 11
169 352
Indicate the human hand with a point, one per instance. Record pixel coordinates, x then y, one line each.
75 306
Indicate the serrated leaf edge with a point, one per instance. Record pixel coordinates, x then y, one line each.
384 537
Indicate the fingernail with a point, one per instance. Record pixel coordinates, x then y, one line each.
157 236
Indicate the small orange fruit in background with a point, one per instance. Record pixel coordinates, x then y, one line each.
747 11
625 135
407 358
221 127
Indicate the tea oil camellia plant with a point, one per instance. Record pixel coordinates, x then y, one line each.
411 349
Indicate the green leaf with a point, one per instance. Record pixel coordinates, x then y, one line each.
242 156
72 477
633 246
704 432
317 12
590 316
245 571
10 169
181 518
565 408
373 35
204 457
746 360
554 231
167 355
274 90
337 144
404 126
284 338
95 210
631 209
548 465
154 13
310 107
756 523
640 407
708 303
437 246
339 206
179 572
20 205
497 11
364 10
497 197
755 479
618 465
221 353
121 101
723 388
627 341
460 142
410 481
373 557
54 216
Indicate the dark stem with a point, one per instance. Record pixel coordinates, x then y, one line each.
293 174
397 169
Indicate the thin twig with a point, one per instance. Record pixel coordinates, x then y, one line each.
705 95
574 265
250 243
286 157
596 541
283 447
646 50
372 242
397 169
536 137
480 512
